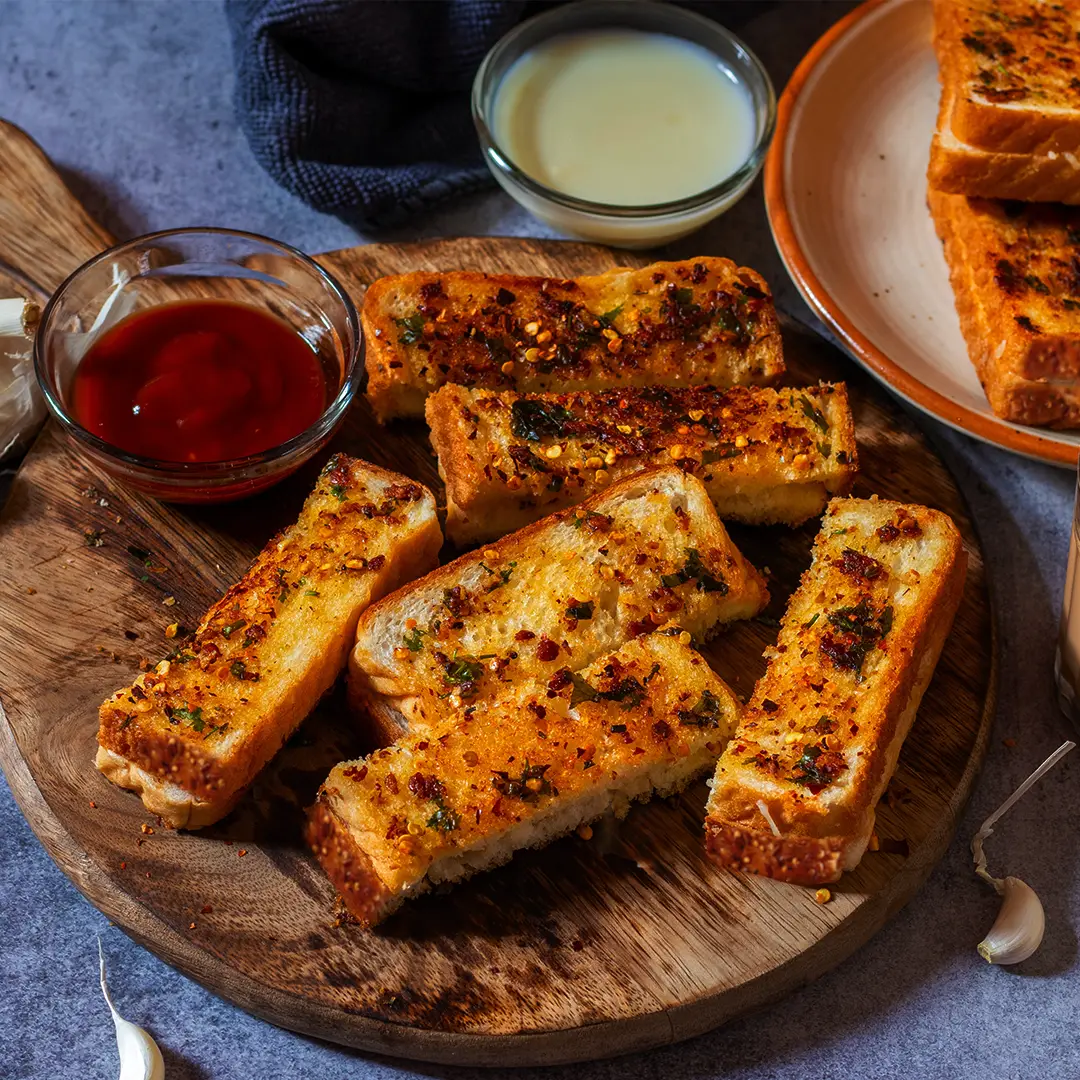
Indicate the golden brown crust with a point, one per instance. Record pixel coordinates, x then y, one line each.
765 456
958 167
1013 66
204 722
800 860
1017 296
568 588
795 791
682 323
348 866
462 797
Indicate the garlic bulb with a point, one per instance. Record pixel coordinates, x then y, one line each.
1018 930
140 1058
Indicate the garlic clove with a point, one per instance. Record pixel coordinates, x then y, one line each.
1018 930
140 1058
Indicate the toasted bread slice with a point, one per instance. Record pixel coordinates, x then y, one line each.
765 456
795 791
190 735
960 168
1013 66
560 593
440 807
1018 297
676 324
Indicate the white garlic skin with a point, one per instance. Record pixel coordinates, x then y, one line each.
140 1058
1018 930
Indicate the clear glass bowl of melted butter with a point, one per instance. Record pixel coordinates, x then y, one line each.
623 121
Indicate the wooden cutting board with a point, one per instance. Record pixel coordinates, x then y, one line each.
586 949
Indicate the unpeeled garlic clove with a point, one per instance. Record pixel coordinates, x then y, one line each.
1018 930
140 1058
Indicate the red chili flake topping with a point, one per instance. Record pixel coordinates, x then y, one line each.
391 783
431 290
856 564
426 787
662 730
405 492
524 635
888 533
398 827
355 772
537 710
547 650
377 563
769 706
560 680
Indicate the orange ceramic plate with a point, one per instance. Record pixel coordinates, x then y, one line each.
845 189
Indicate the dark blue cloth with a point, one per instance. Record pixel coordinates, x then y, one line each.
361 107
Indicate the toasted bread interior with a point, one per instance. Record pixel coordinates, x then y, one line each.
704 320
794 793
564 591
465 796
192 733
765 456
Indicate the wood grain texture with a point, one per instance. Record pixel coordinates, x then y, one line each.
585 949
44 231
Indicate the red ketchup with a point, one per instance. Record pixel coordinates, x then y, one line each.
199 380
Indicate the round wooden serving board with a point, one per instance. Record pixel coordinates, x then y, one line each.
585 949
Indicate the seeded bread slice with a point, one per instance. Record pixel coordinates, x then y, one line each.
190 735
795 791
464 797
677 324
559 593
765 456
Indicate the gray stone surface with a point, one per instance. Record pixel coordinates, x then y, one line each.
133 101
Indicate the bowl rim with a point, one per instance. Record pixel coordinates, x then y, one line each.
732 185
231 469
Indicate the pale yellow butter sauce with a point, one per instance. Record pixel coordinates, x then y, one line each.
624 117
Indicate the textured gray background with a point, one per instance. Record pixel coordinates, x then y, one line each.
132 100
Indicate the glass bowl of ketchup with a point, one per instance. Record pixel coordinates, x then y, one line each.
199 365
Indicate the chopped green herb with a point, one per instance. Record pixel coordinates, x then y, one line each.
412 328
127 720
684 297
533 420
311 592
412 639
721 453
444 818
694 570
813 413
238 669
825 449
338 491
580 611
706 713
530 785
588 764
228 631
617 729
582 691
193 716
462 671
813 619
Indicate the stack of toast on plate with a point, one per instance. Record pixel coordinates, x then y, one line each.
1004 179
553 674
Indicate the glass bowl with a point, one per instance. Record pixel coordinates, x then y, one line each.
623 226
199 264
